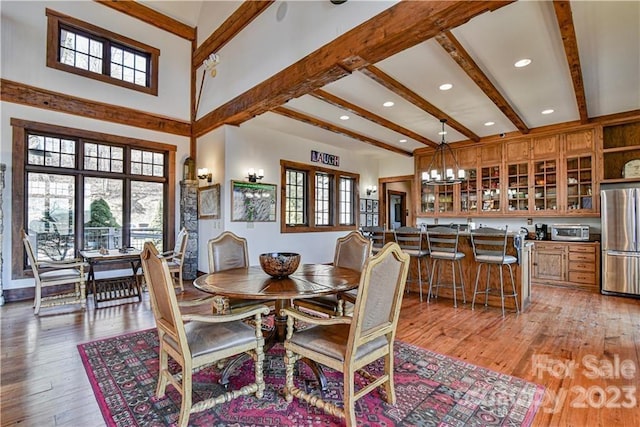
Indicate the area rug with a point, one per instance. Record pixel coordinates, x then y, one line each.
432 390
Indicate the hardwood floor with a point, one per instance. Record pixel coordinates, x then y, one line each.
566 341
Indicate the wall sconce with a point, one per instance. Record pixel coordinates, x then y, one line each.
252 176
203 173
371 189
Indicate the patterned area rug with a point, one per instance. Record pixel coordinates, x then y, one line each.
432 390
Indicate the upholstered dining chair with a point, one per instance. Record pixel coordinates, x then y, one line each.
348 344
443 247
225 252
56 273
197 341
175 258
351 252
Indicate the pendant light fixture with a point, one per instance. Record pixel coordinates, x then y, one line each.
444 168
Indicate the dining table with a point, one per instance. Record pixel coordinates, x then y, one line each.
309 280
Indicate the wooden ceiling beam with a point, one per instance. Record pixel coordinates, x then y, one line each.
403 25
372 117
150 16
239 19
568 33
383 79
453 47
287 112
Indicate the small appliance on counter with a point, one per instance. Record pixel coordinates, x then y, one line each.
569 232
541 232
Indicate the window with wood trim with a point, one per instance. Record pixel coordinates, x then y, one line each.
316 198
84 49
79 190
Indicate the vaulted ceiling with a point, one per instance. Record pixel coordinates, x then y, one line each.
585 63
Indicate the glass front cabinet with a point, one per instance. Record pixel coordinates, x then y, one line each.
549 175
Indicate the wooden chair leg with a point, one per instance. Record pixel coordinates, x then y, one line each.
288 385
185 408
389 385
349 400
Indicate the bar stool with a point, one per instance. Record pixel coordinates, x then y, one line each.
377 236
443 246
411 242
490 248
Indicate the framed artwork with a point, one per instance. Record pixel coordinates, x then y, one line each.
363 205
369 205
363 219
375 220
375 206
209 202
253 202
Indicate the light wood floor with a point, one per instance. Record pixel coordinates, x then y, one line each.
565 333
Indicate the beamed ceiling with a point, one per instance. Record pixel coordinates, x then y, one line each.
585 64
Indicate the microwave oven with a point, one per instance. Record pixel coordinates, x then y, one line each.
571 232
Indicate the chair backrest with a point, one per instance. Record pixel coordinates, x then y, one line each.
443 239
181 245
227 251
31 256
411 239
352 251
377 306
164 303
488 241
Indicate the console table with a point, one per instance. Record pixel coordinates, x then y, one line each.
114 288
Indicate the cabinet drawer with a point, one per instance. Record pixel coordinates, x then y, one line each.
582 266
583 257
550 246
583 249
582 277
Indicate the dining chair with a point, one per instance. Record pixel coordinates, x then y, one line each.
175 258
414 243
225 252
48 274
351 252
490 248
348 344
197 341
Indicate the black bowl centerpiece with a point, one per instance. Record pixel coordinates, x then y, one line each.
279 264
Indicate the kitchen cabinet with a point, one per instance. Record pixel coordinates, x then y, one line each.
549 262
574 264
621 153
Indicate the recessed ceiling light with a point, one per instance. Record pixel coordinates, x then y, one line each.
388 104
548 111
402 140
489 123
522 63
446 86
344 117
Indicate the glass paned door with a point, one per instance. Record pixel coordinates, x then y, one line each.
103 200
50 215
147 214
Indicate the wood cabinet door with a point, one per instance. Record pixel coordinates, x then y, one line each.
579 142
545 146
549 263
516 151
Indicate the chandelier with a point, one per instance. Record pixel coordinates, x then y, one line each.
444 168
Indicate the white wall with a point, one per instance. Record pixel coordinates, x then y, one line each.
23 59
255 147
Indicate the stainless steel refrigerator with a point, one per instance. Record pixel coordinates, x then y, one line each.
621 241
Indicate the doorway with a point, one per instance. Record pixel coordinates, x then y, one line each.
402 187
397 209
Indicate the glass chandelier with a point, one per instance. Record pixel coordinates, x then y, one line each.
440 171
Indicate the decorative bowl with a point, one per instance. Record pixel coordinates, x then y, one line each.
279 264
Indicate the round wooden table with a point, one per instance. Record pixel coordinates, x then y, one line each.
309 280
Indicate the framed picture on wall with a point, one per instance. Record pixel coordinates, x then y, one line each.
369 205
363 219
209 202
375 220
363 205
369 220
253 202
374 204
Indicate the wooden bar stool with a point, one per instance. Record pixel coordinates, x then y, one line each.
410 240
443 246
490 248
